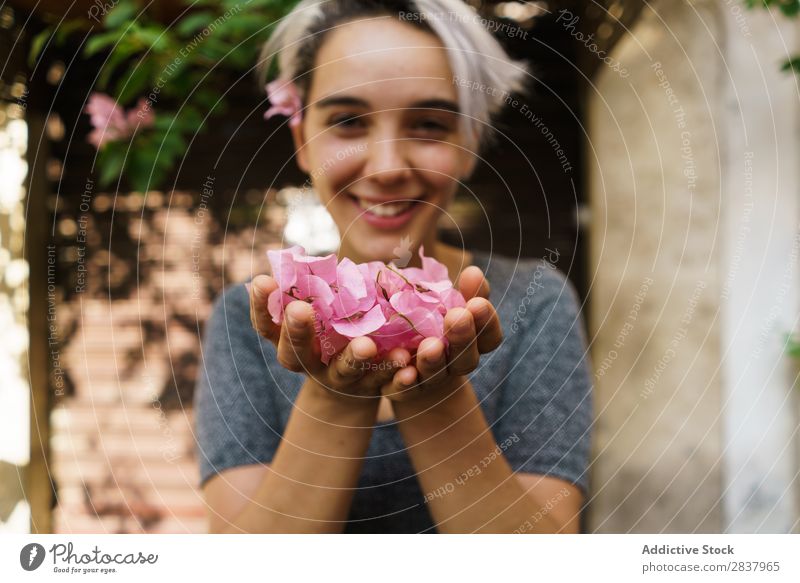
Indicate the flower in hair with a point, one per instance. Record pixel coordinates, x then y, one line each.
285 99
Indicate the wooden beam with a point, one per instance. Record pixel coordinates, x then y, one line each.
165 9
38 490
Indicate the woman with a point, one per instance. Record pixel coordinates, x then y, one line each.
396 98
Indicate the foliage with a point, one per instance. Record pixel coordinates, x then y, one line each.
181 68
792 345
791 9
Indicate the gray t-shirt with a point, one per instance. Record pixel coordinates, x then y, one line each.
535 391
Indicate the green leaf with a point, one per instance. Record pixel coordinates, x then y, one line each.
67 28
110 161
37 44
792 64
98 42
152 161
193 23
189 119
790 9
121 14
135 83
206 98
153 37
791 345
164 122
109 68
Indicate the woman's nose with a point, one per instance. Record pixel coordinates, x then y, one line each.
387 161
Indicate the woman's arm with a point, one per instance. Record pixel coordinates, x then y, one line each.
310 483
465 478
311 479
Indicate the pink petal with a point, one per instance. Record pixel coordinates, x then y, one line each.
285 99
434 270
324 267
360 326
276 304
283 266
331 343
349 276
452 298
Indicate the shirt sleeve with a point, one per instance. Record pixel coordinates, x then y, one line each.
236 422
545 407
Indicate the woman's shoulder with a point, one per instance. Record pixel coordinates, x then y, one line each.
526 276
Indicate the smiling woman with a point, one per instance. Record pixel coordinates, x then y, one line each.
430 440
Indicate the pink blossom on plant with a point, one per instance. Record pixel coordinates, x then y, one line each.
107 118
142 115
111 123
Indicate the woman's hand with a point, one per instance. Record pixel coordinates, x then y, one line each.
352 374
470 331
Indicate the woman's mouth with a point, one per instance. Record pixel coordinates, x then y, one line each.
386 215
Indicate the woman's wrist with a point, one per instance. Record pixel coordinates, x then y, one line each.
331 404
437 406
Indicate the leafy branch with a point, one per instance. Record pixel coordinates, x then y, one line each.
175 70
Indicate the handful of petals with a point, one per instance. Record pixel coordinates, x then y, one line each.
393 306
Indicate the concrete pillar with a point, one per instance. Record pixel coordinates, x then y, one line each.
670 149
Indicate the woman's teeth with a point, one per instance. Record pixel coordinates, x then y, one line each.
385 209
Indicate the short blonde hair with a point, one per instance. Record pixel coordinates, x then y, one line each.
484 73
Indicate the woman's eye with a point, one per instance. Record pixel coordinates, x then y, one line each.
346 121
432 125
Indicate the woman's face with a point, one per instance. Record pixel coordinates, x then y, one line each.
380 136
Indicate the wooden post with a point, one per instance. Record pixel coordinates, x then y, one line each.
38 488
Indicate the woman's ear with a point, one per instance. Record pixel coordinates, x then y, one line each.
300 147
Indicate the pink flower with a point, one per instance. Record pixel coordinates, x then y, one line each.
285 99
393 306
142 115
111 123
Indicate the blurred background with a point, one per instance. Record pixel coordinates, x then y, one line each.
657 156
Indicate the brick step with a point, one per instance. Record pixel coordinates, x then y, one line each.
102 394
144 444
112 340
151 474
77 416
80 523
97 471
105 499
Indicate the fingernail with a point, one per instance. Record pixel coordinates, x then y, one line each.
248 286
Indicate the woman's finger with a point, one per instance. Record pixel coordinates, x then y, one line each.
383 371
487 324
296 343
472 283
463 351
259 290
352 363
432 361
403 385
